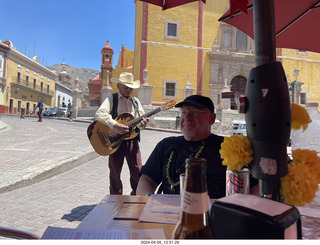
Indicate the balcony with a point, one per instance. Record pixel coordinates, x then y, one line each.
23 84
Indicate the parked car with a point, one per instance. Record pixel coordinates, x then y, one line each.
51 111
239 127
62 112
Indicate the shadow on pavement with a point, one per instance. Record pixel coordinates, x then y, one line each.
78 213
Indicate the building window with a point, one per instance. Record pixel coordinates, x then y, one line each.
41 87
2 69
303 98
170 89
172 29
19 77
27 80
48 89
34 83
238 84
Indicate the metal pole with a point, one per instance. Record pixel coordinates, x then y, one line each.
268 116
264 31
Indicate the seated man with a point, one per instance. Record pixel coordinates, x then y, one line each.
167 161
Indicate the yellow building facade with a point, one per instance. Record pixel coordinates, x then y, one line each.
125 64
25 82
176 57
308 66
186 49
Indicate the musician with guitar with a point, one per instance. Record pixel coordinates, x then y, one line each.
121 103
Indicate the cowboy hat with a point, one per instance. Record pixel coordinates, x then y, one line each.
126 79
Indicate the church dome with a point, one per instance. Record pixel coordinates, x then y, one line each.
107 46
63 69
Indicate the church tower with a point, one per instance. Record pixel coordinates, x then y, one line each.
106 64
64 77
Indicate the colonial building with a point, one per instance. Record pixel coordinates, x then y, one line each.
94 91
186 50
63 93
23 81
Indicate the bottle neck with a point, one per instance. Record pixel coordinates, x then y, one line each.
196 175
195 194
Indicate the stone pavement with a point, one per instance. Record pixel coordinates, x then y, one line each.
32 151
63 200
66 198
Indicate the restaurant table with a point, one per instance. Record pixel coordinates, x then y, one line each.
123 212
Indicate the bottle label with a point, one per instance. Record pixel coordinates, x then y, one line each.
195 203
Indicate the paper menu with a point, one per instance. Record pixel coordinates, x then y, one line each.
81 234
162 209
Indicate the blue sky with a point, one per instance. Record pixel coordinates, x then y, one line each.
73 30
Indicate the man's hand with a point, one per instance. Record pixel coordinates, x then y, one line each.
145 121
121 128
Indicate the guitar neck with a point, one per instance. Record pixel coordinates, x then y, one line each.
137 120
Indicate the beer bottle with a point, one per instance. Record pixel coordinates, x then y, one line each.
194 215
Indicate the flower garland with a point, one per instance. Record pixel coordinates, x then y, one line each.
173 184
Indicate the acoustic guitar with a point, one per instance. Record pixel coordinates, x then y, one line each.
106 141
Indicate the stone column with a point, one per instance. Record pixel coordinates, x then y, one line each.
76 102
145 94
105 92
224 104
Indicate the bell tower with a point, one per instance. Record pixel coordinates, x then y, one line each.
106 64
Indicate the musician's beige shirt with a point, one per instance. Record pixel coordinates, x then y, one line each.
124 105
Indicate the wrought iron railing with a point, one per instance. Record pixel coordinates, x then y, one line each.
22 83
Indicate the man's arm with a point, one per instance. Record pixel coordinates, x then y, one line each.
103 113
146 185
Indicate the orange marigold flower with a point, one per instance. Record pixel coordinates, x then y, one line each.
299 186
310 159
299 117
236 152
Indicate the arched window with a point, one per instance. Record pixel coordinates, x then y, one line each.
239 84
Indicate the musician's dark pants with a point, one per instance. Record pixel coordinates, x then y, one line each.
130 150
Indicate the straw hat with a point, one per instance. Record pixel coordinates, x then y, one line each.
126 79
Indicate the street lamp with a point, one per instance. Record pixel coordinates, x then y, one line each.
296 73
295 87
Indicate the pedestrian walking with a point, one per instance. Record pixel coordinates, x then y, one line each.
69 110
112 106
40 106
22 112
